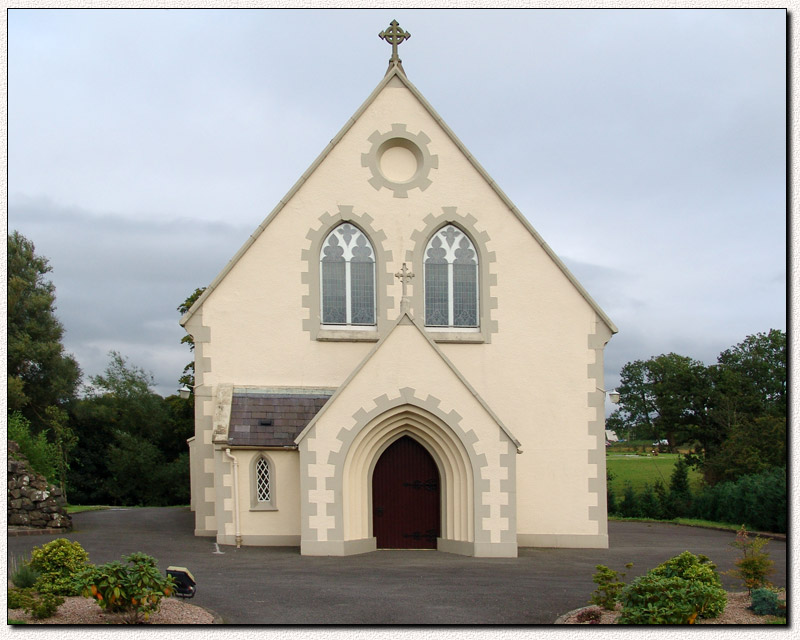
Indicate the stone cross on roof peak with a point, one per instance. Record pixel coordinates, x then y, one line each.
394 35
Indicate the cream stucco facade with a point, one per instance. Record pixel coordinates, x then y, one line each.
510 410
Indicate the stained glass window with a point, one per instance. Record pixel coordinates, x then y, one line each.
347 277
451 280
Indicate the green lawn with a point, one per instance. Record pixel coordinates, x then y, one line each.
641 470
80 508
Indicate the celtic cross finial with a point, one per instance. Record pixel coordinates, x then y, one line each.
394 35
404 275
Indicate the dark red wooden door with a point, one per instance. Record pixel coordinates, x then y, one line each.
405 497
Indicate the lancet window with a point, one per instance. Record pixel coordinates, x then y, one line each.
263 484
347 276
451 280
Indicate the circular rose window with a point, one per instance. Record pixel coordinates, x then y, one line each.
399 160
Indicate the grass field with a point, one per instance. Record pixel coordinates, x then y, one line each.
641 470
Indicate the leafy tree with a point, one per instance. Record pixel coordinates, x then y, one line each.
134 466
611 497
649 505
733 412
92 418
758 365
630 505
127 390
188 371
748 409
178 427
40 373
663 397
663 499
637 401
753 446
133 441
65 442
680 495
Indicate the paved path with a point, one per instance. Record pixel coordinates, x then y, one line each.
261 585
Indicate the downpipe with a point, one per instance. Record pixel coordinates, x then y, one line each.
235 470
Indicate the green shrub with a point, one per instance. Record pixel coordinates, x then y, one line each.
23 575
677 591
18 598
609 586
754 565
611 496
649 504
45 605
133 590
764 602
758 500
39 605
688 566
629 507
58 562
652 599
42 455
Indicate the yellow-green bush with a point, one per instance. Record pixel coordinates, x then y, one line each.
57 563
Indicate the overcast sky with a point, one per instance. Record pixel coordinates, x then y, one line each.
647 147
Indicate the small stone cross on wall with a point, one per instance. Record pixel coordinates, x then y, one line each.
404 275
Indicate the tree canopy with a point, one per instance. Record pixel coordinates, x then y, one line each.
187 378
732 413
133 441
40 373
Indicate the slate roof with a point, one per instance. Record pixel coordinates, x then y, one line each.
272 419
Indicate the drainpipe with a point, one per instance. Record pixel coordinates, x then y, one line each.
235 464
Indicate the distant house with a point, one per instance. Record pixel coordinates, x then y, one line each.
395 358
611 436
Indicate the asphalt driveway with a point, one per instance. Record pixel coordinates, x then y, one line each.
262 585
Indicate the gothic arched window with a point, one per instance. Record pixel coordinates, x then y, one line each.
347 277
451 280
263 484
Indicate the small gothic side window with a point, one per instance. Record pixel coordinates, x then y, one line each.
347 278
451 280
262 481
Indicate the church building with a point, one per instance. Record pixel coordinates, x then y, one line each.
422 370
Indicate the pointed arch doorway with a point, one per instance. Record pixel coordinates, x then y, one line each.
406 498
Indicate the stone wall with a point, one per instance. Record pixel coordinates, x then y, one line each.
31 501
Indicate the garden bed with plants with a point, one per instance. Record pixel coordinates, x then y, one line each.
79 610
687 589
58 585
737 611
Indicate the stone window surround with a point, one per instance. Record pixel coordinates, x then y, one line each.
383 279
255 503
311 277
486 301
398 135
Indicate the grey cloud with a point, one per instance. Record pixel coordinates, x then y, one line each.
119 280
647 146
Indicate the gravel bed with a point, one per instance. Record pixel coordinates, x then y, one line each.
736 612
79 610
